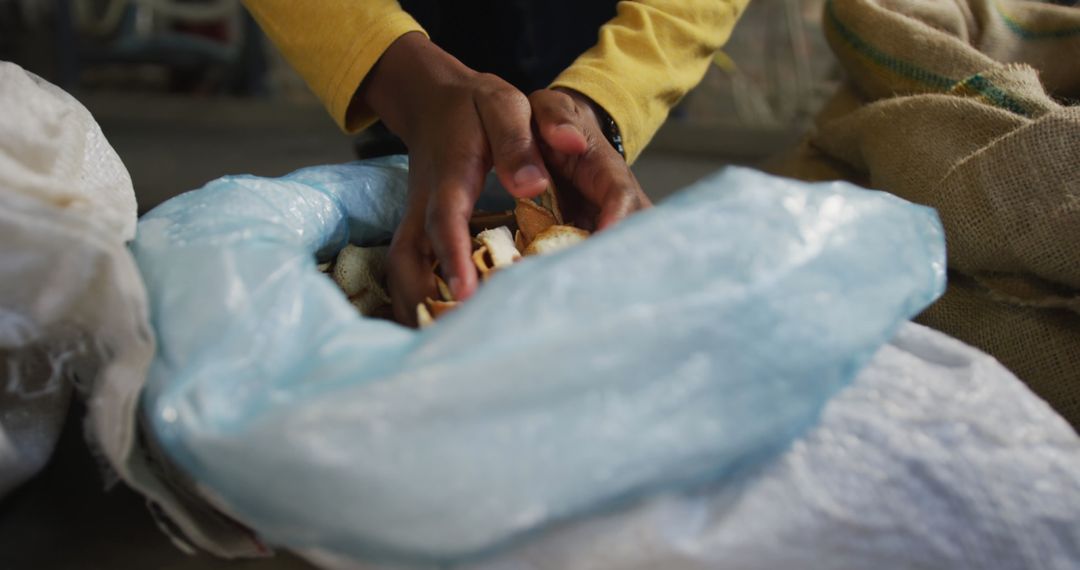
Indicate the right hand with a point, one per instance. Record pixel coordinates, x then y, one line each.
457 124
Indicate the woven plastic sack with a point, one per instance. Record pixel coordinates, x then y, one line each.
72 306
689 343
936 456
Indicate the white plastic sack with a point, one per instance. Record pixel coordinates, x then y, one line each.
72 305
685 345
935 457
52 149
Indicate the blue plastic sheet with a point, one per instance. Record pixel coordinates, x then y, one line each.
693 340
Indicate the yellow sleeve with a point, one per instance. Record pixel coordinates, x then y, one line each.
333 44
647 57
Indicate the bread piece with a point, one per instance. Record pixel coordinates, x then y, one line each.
532 219
423 316
440 308
555 238
550 201
500 246
360 273
482 261
444 289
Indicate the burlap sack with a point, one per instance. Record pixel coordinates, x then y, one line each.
963 105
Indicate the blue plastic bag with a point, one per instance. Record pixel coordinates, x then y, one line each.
692 340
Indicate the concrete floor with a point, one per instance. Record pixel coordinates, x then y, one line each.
65 519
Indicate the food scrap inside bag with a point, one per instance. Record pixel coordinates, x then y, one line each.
502 239
690 342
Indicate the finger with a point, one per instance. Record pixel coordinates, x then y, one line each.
448 230
506 116
458 186
559 121
617 206
409 277
410 281
604 179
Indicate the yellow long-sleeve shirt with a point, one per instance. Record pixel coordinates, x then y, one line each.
645 59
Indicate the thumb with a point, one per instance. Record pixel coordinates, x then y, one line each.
560 121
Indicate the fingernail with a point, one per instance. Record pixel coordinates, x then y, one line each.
455 287
528 175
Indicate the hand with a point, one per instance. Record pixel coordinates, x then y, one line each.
457 124
602 189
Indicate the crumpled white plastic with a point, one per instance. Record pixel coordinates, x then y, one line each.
53 150
72 305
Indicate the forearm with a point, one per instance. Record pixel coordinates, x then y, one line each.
647 58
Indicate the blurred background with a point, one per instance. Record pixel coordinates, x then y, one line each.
187 91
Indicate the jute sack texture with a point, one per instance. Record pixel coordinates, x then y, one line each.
970 106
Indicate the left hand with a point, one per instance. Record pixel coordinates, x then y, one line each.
575 150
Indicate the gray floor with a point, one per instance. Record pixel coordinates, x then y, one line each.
66 519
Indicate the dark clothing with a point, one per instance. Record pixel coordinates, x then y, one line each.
526 43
